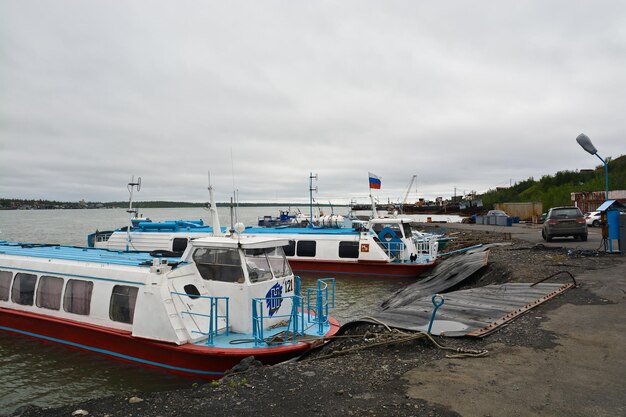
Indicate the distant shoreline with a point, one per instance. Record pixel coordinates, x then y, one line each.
15 204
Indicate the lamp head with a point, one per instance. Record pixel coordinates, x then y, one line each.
584 141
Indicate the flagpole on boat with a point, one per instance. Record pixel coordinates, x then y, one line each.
372 178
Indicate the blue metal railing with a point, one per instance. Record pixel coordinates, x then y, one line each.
322 302
295 321
213 315
317 314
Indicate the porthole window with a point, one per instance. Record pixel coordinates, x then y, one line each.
179 244
5 284
77 298
49 292
24 289
122 307
306 248
349 250
192 291
290 249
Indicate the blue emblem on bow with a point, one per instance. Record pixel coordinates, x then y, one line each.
274 298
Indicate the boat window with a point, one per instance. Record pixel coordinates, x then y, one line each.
77 298
179 244
306 248
290 249
278 262
192 291
122 307
349 249
258 265
378 227
407 230
49 292
219 264
24 289
5 284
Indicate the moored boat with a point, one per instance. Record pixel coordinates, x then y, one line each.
379 247
224 299
382 247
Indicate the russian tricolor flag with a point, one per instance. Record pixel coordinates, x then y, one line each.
374 181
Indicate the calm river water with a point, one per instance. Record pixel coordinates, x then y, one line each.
33 372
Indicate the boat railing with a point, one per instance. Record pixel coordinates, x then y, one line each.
324 299
98 237
425 251
318 302
213 316
294 319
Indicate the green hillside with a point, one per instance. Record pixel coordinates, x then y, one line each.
554 190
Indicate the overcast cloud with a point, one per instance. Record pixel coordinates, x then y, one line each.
471 95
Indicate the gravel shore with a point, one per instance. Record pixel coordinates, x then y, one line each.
378 372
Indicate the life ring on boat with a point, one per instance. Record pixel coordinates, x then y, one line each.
390 241
387 235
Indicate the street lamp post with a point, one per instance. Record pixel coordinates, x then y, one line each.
584 141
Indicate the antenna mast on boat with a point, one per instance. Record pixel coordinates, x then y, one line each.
131 186
311 189
235 191
215 219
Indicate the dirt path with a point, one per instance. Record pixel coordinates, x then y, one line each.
584 375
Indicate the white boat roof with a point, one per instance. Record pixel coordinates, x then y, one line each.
390 220
244 241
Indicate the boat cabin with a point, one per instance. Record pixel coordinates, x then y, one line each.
172 299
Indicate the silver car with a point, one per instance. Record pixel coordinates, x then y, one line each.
564 221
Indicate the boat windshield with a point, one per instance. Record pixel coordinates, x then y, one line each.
279 262
262 262
219 264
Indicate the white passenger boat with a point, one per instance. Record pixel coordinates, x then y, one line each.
222 300
379 247
382 247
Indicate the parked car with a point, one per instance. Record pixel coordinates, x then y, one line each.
563 222
592 218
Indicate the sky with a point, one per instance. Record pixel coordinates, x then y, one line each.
467 96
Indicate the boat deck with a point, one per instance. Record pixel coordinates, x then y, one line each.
281 335
80 254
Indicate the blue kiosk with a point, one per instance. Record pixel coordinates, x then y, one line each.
613 217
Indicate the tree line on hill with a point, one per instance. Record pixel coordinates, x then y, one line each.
555 190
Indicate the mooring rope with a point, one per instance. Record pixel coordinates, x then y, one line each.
462 352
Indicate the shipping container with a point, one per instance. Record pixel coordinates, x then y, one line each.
525 211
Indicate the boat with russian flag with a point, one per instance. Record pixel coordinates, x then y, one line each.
198 314
379 247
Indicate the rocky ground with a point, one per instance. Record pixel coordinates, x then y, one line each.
366 372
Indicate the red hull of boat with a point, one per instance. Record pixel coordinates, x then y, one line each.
365 268
190 360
